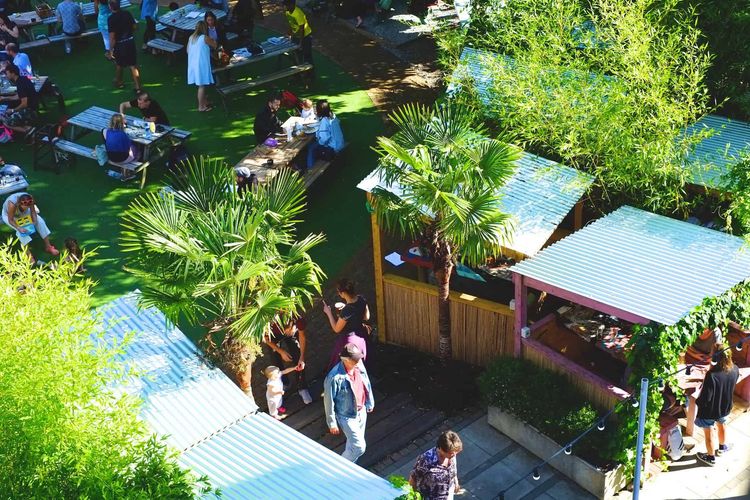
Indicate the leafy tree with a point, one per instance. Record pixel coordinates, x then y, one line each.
227 261
449 175
64 433
607 86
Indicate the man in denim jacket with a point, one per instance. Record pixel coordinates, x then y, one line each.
348 398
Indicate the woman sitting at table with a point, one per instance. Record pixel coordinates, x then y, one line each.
120 149
329 139
199 63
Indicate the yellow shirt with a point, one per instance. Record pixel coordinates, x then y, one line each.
296 20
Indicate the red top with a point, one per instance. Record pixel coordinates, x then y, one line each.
358 386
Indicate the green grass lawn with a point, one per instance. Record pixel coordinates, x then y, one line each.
85 203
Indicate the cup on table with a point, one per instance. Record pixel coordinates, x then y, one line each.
288 133
269 163
338 306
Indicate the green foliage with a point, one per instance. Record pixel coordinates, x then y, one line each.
655 351
606 86
402 484
228 261
64 433
738 184
547 401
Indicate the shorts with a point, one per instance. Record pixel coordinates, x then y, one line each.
705 423
125 53
20 118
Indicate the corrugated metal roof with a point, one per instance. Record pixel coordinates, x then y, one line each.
539 195
248 455
260 457
473 65
183 396
712 157
646 264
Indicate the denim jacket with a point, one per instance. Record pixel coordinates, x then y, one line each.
339 396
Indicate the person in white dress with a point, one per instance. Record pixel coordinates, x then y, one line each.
199 63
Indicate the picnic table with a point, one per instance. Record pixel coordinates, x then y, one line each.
96 119
281 156
271 47
185 19
7 88
27 20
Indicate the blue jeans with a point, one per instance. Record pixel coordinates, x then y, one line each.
354 430
312 150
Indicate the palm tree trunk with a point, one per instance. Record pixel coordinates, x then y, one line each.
443 267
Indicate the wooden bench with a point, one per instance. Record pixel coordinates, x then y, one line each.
232 88
48 40
87 152
165 46
319 167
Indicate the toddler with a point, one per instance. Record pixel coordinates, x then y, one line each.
307 111
275 389
74 254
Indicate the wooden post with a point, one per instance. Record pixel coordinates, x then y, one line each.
578 216
377 257
520 312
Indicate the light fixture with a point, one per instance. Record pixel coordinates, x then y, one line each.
600 425
660 384
715 359
688 369
634 402
568 450
738 346
536 475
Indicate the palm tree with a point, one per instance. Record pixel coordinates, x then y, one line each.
227 261
448 175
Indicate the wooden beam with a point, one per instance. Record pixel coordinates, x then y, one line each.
578 216
377 257
521 306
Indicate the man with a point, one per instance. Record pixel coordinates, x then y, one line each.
266 122
21 60
149 108
22 109
288 343
121 27
70 17
347 396
435 475
715 402
299 29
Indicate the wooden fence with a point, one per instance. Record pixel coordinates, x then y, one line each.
481 330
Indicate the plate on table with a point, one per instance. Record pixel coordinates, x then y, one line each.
310 128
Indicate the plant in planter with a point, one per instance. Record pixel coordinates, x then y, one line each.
226 261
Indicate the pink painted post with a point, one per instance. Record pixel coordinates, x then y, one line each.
520 310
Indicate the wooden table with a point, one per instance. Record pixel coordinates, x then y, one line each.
96 119
269 50
27 20
8 89
282 156
178 20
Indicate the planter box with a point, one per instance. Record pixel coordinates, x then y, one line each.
601 484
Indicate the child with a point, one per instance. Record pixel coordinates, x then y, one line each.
307 111
275 389
74 254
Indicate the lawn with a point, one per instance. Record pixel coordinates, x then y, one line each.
83 202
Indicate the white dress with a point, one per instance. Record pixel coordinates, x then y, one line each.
199 62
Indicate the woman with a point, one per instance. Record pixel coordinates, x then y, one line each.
199 63
120 148
351 321
102 12
148 14
20 213
435 475
214 31
329 139
8 31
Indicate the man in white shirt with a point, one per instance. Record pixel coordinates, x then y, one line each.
19 59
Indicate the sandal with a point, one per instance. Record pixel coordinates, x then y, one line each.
118 85
52 250
206 109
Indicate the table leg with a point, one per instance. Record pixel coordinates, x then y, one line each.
691 413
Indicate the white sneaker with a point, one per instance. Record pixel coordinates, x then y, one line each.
68 48
305 395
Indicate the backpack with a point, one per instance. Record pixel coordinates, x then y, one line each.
6 134
290 101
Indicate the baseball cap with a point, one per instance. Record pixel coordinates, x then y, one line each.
351 351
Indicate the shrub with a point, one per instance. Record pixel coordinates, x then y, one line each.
547 401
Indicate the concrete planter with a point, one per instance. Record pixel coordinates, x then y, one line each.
602 484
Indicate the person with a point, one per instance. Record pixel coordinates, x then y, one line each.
275 390
199 63
121 27
299 29
700 351
329 139
120 148
148 14
214 4
70 18
173 6
21 214
246 180
348 398
307 112
288 343
22 110
74 254
266 122
149 108
214 30
8 30
102 13
242 18
21 60
351 320
435 475
715 403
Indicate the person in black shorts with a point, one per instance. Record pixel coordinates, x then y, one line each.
288 343
122 40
